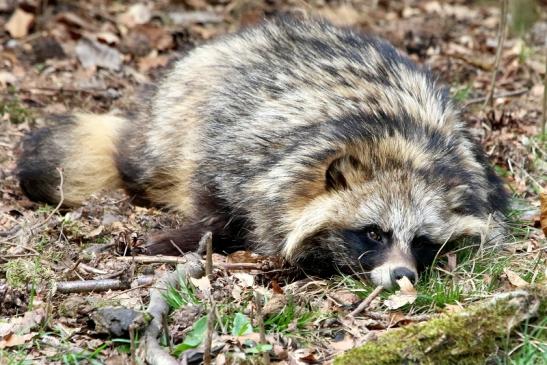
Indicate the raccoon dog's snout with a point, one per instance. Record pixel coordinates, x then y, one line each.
400 272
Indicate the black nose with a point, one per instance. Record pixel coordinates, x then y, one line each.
399 272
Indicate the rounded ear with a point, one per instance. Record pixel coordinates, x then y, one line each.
343 172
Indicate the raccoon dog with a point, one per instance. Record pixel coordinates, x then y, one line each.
297 138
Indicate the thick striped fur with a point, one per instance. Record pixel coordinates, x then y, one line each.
296 137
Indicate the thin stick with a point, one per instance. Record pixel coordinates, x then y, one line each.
365 303
208 238
260 320
181 260
149 348
210 329
132 347
176 247
501 41
154 259
84 286
92 270
497 96
543 126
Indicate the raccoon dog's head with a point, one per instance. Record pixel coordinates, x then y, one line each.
386 220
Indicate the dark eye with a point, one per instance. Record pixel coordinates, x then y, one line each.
374 234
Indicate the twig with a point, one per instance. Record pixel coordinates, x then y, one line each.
132 348
501 41
208 238
13 230
497 96
93 270
7 257
210 330
176 247
74 266
382 316
240 266
84 286
182 260
365 303
543 126
45 89
149 348
154 259
260 320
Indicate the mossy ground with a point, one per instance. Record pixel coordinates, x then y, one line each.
456 39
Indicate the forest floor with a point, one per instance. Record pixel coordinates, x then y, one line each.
61 56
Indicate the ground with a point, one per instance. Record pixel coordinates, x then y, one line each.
60 56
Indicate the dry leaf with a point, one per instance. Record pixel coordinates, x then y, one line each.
16 340
108 37
135 15
245 280
407 295
543 212
275 304
276 288
452 262
515 279
19 24
202 284
150 62
17 330
91 53
244 256
345 297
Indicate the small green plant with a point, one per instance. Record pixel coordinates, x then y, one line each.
437 292
184 295
531 347
241 325
293 317
462 94
14 111
194 338
259 348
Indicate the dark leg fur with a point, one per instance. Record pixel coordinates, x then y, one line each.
186 239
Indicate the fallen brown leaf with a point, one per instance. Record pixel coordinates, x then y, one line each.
19 23
203 284
150 62
136 14
543 212
515 279
275 304
92 53
16 340
407 295
452 262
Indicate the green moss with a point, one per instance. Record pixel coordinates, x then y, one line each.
15 111
460 338
21 272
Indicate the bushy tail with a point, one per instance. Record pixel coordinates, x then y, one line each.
83 146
